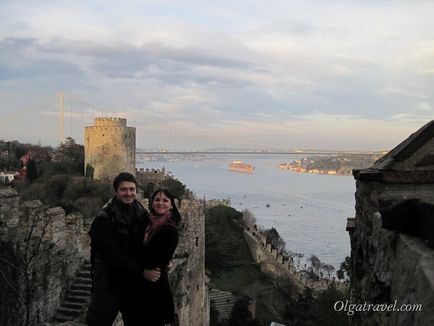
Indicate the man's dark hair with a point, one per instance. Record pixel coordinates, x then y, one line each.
123 176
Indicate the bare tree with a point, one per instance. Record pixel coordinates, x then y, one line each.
249 220
328 269
315 263
298 257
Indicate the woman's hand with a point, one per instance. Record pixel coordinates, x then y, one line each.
152 275
169 266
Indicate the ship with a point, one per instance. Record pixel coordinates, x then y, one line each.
239 166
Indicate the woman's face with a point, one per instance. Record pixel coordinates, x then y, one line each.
161 204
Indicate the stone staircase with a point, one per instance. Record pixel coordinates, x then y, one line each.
223 303
77 297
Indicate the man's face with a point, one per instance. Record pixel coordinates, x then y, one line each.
126 192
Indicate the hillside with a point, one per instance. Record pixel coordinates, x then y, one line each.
231 268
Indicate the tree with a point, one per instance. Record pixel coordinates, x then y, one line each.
328 269
175 187
71 156
298 257
315 263
274 238
345 268
31 170
340 274
249 220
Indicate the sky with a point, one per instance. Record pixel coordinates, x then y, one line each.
348 74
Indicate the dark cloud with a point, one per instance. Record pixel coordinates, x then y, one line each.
126 61
13 45
17 63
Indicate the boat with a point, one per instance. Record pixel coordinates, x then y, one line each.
239 166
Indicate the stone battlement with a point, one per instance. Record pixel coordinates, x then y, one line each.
278 266
110 121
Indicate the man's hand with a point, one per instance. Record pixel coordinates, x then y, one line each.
152 275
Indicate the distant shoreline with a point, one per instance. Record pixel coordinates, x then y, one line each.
342 164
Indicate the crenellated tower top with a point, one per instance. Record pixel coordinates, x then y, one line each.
110 121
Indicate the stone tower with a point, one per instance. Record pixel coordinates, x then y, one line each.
110 148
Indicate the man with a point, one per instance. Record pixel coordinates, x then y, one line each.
116 236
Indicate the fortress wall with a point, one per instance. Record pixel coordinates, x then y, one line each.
61 251
262 256
147 176
110 147
189 281
255 248
276 266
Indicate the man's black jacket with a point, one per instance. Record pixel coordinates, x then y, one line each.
116 245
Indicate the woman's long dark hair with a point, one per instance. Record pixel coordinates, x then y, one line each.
175 213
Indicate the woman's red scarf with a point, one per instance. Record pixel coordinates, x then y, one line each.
155 224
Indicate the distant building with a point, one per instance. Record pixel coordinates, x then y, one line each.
8 176
110 148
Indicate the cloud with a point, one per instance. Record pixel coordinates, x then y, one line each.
274 70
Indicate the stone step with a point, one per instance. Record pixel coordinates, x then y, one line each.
73 312
82 287
86 267
84 274
83 280
80 293
61 318
76 298
73 305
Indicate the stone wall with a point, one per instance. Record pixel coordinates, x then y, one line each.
150 176
41 250
275 265
189 282
110 147
388 265
392 235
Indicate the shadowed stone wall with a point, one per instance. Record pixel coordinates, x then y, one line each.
41 249
392 252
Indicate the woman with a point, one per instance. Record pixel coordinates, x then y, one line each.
156 306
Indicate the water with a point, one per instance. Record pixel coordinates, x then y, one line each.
309 211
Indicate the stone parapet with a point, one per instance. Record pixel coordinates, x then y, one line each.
110 121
